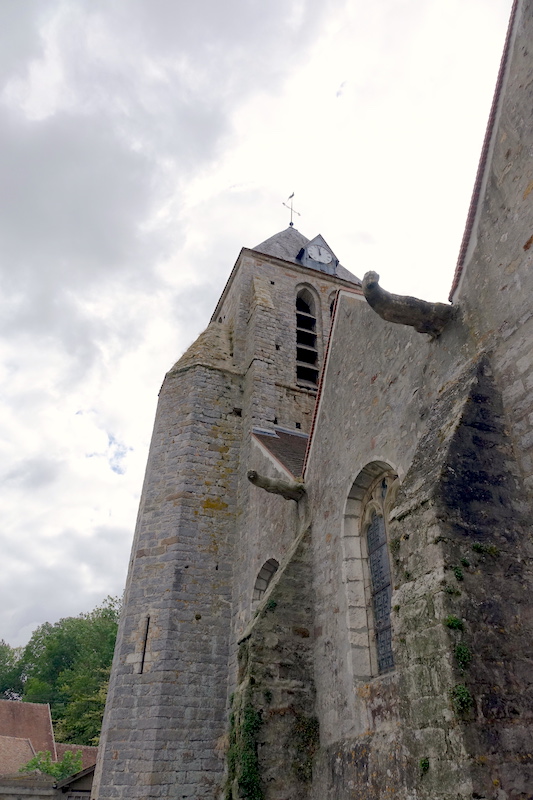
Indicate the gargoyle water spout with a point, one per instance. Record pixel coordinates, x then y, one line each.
424 317
290 490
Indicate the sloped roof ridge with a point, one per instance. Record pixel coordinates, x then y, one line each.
286 244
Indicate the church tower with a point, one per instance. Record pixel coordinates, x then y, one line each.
199 562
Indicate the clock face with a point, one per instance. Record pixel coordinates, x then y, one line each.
319 253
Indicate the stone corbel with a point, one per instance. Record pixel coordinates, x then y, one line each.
290 490
424 317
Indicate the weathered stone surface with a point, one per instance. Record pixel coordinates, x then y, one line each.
196 555
290 490
274 733
452 417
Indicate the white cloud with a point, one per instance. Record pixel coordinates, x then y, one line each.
141 145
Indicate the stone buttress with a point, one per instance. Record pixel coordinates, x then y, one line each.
167 698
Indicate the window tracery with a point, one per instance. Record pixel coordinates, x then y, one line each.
374 528
367 572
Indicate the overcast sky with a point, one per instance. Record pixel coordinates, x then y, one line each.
142 144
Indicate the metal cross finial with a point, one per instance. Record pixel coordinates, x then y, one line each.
291 209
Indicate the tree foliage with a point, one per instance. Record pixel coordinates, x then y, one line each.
10 682
67 665
42 762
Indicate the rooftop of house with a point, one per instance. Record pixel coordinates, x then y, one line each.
28 721
88 753
14 753
26 729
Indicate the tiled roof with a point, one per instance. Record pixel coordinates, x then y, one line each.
28 721
288 448
88 754
26 729
14 753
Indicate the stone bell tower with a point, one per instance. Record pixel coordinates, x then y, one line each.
253 372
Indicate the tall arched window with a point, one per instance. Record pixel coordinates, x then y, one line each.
375 531
306 340
367 572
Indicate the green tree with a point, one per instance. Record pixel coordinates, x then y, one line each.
42 762
10 682
67 665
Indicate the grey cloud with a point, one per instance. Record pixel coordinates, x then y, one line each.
79 185
71 197
72 201
47 593
244 40
34 473
21 22
130 124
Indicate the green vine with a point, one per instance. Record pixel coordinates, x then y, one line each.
243 762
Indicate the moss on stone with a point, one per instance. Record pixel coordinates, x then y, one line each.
454 623
306 739
489 549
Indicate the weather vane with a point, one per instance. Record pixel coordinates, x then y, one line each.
291 209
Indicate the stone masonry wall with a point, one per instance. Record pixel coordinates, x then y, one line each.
270 524
462 622
494 296
273 728
397 390
259 308
408 721
166 711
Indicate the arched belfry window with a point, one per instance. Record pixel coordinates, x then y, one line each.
265 575
306 339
